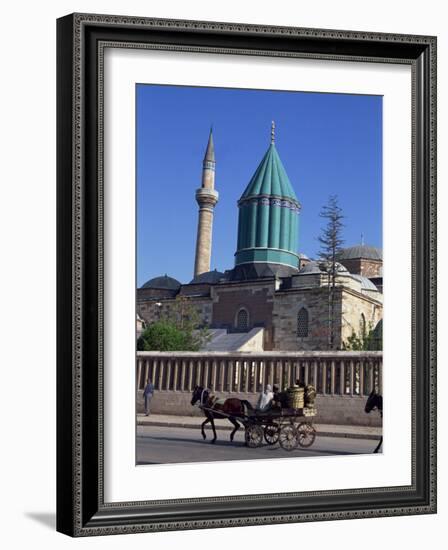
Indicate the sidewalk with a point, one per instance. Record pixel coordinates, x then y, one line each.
323 430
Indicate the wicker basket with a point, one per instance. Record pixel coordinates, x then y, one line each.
295 397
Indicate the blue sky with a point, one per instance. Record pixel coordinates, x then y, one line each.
328 143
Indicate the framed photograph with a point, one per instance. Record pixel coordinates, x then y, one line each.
246 274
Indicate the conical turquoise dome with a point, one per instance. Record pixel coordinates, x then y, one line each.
270 178
268 216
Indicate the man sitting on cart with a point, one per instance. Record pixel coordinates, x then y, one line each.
265 399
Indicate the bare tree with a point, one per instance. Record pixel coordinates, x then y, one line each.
331 244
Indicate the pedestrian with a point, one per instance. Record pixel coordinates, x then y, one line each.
148 392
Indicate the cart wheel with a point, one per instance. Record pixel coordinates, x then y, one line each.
271 433
289 437
254 436
307 434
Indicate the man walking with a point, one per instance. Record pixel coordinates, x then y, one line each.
148 392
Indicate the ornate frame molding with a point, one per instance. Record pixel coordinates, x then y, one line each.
81 42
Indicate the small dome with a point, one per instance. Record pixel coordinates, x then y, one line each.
366 284
310 268
209 277
303 256
327 266
361 252
163 283
341 268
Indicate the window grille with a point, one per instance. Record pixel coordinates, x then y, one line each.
242 320
302 323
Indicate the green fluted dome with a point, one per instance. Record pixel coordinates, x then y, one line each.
268 217
270 178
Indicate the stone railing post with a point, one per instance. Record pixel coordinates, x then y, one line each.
341 373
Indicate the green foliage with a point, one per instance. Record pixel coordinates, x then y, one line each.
366 340
178 329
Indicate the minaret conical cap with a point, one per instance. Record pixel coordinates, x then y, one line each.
210 152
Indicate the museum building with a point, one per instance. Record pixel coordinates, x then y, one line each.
274 298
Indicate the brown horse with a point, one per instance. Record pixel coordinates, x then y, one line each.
212 409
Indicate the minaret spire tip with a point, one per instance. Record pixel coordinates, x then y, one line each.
210 151
272 132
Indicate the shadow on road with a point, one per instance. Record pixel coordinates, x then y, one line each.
241 444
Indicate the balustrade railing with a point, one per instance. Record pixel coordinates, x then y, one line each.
332 373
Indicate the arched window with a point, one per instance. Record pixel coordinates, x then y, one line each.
242 320
302 323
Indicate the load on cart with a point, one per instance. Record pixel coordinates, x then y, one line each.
282 417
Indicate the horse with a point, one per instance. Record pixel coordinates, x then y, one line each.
212 409
375 401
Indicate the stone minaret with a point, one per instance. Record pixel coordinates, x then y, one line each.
206 197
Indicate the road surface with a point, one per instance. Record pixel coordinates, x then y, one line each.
164 444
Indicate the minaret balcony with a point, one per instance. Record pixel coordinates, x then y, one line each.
206 197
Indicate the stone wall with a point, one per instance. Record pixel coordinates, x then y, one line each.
286 307
356 312
365 267
150 312
332 409
257 299
349 308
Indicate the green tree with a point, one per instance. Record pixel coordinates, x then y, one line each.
331 242
179 328
367 339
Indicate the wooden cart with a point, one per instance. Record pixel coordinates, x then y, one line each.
290 428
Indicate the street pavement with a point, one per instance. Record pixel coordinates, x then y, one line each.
171 444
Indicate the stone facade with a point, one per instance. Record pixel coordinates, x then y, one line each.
358 313
286 309
256 298
331 409
153 310
353 310
362 266
275 307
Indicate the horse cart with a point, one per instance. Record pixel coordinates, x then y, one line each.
290 428
288 422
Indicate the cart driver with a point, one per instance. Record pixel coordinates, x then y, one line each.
264 399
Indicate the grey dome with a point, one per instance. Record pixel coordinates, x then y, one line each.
341 268
310 269
303 256
366 284
327 267
361 252
164 282
209 277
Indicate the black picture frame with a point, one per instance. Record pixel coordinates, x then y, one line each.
81 510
